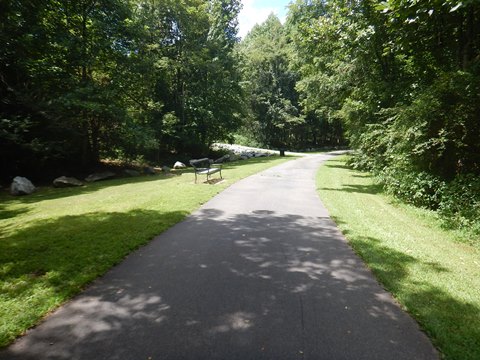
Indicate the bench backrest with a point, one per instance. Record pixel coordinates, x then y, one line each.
201 163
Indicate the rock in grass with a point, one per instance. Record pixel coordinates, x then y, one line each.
223 159
149 170
64 181
131 172
21 186
166 169
99 176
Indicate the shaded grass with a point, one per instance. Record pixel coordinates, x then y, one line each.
434 277
56 241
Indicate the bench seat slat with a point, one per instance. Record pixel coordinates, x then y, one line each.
208 171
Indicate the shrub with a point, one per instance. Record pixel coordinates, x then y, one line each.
460 205
416 188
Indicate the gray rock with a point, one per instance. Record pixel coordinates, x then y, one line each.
21 186
64 181
149 170
179 165
99 176
223 159
131 172
166 169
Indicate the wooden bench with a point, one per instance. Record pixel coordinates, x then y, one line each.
204 167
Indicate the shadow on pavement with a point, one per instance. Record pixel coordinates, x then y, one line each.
249 286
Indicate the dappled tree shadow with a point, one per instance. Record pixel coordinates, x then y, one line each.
426 302
6 213
356 188
337 165
248 286
353 188
63 262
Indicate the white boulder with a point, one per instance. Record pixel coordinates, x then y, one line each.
179 165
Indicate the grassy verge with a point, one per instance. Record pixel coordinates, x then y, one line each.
55 241
435 278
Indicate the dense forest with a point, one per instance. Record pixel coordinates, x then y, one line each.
89 79
398 81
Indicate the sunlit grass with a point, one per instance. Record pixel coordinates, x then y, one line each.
56 241
435 278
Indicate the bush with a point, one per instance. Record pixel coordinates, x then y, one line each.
247 140
457 201
419 189
460 205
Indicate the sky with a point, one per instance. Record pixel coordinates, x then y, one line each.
257 11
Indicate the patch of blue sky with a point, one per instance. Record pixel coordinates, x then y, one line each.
257 11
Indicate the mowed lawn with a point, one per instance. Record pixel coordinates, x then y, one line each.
56 241
433 275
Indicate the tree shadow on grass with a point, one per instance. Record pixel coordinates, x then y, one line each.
453 324
356 188
7 213
353 188
49 261
336 164
246 286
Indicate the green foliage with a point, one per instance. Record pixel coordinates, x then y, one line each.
270 83
88 79
246 139
436 128
419 189
460 205
403 78
273 84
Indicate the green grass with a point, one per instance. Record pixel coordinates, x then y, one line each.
433 276
56 241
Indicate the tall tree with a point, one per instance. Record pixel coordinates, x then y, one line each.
59 71
270 84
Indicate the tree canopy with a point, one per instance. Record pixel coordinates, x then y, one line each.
404 79
399 81
94 78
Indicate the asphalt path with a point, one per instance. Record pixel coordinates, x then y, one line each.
258 272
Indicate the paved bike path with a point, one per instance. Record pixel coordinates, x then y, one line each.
259 272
